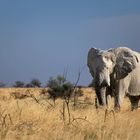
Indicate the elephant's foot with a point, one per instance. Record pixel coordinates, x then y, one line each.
117 109
118 102
134 106
134 102
117 106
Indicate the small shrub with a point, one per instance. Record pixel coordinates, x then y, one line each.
35 83
28 85
60 87
19 84
2 84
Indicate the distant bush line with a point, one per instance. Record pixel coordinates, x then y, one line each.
57 83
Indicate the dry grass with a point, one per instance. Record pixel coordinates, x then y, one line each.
37 118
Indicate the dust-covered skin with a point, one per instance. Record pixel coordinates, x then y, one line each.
117 71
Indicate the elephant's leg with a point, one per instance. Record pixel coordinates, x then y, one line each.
108 100
120 92
118 101
109 95
134 102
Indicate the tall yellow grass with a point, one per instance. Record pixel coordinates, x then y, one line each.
26 119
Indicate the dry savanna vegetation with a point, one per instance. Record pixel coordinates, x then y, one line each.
30 114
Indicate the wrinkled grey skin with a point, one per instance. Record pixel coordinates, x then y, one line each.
115 72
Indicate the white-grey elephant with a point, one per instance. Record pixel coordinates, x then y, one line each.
116 72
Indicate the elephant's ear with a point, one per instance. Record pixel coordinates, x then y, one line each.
92 54
126 62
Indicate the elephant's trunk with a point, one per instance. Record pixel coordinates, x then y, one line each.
103 78
101 95
102 81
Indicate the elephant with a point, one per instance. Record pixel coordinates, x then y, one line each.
116 72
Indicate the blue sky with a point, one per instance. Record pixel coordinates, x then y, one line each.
42 38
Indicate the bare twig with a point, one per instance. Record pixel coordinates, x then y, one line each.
108 112
76 83
10 118
32 96
3 121
63 112
80 102
67 99
37 100
84 119
1 114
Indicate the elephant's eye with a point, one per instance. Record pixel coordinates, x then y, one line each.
106 57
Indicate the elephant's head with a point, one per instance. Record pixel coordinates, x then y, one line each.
103 64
